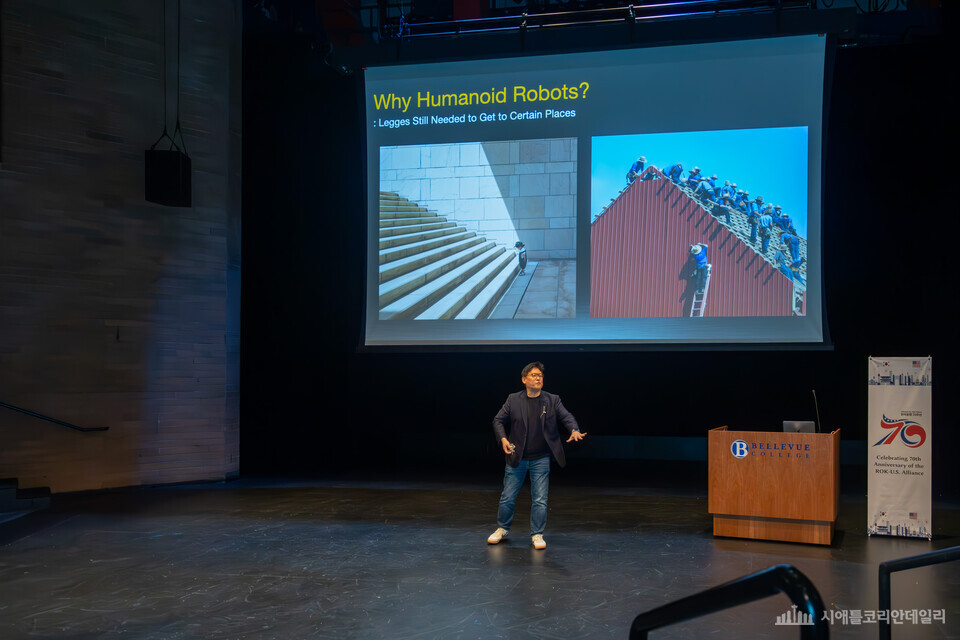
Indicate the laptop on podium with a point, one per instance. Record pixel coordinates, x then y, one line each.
799 426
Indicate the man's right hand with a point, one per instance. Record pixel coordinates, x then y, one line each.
508 447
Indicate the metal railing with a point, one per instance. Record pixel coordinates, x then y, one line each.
901 564
40 416
781 578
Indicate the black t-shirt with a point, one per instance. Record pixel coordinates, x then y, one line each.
536 446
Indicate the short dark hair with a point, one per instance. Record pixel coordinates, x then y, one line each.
530 367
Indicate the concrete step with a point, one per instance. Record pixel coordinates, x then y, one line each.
430 267
400 207
407 250
396 288
419 236
397 268
419 300
467 289
509 303
392 232
405 220
487 300
406 214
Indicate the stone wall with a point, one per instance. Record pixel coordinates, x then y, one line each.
519 189
115 311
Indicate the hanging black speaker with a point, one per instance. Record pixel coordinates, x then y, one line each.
168 177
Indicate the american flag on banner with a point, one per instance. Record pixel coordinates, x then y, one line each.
913 515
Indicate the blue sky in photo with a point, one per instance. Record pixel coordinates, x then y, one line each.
767 162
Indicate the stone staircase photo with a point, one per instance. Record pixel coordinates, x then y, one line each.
434 269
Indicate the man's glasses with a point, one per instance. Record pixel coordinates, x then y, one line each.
538 376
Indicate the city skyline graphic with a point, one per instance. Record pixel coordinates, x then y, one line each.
794 618
901 372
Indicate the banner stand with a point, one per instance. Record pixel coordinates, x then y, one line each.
899 447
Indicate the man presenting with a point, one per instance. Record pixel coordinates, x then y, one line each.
526 428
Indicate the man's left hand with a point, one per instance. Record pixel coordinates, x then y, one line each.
576 436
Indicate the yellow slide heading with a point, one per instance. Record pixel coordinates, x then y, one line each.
428 99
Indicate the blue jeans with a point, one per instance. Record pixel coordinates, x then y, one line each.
539 487
795 254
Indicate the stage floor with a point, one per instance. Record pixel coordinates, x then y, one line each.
409 559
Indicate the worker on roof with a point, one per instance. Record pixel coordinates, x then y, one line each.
783 220
765 222
726 200
728 189
706 190
674 171
792 243
710 182
753 219
717 210
636 169
783 264
694 177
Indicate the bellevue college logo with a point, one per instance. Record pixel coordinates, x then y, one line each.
739 449
906 429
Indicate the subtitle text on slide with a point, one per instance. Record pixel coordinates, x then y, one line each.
471 118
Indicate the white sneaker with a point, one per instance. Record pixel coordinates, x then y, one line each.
497 535
539 542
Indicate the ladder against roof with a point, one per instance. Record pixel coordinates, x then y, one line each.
700 297
799 307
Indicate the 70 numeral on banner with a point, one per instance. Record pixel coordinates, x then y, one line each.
906 429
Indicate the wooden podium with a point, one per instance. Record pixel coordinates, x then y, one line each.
783 486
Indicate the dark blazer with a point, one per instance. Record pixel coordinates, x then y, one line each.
509 423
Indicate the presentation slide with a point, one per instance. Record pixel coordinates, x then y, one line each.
658 195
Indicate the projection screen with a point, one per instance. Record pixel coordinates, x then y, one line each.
657 195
